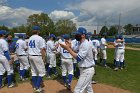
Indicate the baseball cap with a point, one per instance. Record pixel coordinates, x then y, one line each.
52 35
120 36
66 36
81 30
3 32
36 28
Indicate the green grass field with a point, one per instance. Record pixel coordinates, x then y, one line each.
133 45
128 78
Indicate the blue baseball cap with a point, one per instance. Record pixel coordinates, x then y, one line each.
3 32
66 36
81 31
120 36
52 35
36 28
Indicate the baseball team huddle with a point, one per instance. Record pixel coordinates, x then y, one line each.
38 56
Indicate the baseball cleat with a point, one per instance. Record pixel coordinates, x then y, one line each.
93 82
115 69
2 86
65 85
12 85
39 90
68 86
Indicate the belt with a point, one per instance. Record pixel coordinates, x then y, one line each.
35 55
86 67
22 55
120 48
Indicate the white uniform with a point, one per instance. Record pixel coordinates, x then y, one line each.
51 53
66 61
86 63
96 45
103 48
4 64
35 44
22 55
120 51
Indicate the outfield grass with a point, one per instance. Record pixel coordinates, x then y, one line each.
133 45
128 78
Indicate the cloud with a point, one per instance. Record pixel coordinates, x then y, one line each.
14 17
56 15
99 11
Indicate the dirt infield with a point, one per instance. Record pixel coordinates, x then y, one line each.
54 86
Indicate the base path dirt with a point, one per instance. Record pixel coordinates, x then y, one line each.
54 86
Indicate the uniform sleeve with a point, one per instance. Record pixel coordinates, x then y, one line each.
103 41
25 45
5 46
82 53
98 44
42 43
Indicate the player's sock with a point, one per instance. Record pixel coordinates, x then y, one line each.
9 77
20 72
38 83
64 79
114 62
70 78
101 60
48 71
104 62
34 79
121 64
74 66
54 69
47 65
95 61
23 73
0 80
117 63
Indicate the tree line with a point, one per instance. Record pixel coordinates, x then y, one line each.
58 28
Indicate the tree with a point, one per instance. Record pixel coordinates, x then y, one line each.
64 27
128 29
42 20
112 31
103 30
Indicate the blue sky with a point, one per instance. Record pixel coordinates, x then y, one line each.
44 5
88 13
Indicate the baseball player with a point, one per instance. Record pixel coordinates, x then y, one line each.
120 45
51 52
5 60
66 63
36 48
103 46
114 44
21 49
85 61
96 44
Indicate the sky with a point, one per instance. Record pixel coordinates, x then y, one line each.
88 13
